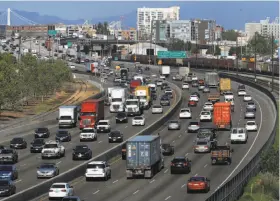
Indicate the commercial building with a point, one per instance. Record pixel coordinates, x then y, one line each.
218 32
61 29
35 30
180 29
160 30
130 34
145 16
145 48
203 31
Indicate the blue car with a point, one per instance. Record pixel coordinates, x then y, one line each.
8 172
47 170
7 188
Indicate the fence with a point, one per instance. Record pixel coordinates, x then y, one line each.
233 189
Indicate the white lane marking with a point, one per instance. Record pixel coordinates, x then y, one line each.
135 192
179 136
186 131
22 165
152 181
58 162
186 154
17 181
183 185
71 143
95 192
173 141
99 142
205 166
165 170
125 127
167 198
195 175
115 181
252 145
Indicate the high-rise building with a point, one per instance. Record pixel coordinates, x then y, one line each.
145 16
180 29
203 31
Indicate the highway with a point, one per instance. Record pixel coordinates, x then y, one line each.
165 186
29 162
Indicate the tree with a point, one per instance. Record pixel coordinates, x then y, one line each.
217 51
270 161
230 35
261 45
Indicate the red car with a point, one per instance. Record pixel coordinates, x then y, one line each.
192 103
198 183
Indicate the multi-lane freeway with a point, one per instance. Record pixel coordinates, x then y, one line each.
165 186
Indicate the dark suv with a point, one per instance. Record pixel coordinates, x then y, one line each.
180 165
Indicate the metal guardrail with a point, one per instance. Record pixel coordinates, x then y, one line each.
233 189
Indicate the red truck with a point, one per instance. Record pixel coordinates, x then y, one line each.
91 112
222 115
134 84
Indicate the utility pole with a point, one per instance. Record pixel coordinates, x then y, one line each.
236 57
255 64
196 49
19 48
272 64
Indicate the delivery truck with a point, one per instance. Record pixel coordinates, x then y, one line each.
143 156
222 115
165 70
67 116
184 71
91 112
225 85
212 80
221 155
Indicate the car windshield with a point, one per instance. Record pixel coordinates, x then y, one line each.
251 103
208 104
240 130
62 133
96 166
203 134
65 117
47 166
138 118
6 151
247 96
131 102
93 114
115 134
250 110
205 113
251 123
173 122
6 168
88 131
193 124
38 141
234 131
58 186
50 146
70 199
41 130
17 140
164 146
103 123
193 96
197 179
121 115
81 148
179 160
185 110
4 183
157 106
201 143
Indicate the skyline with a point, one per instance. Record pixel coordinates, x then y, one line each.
228 14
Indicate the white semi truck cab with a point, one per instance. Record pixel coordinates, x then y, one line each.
117 100
132 107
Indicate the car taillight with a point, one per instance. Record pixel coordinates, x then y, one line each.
185 164
172 164
201 184
63 190
206 147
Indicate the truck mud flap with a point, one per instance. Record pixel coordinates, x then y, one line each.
129 174
148 174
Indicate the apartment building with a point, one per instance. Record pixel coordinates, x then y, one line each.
180 29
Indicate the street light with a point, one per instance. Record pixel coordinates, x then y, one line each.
255 64
272 64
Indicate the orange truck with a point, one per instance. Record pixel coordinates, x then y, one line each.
222 115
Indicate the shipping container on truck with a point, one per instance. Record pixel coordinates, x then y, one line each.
91 112
225 85
222 115
212 79
134 84
143 156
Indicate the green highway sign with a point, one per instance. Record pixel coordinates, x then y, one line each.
171 54
52 32
69 44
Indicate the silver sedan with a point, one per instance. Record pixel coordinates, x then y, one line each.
174 125
250 113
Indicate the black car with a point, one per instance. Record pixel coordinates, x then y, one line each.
8 156
37 145
18 143
121 117
167 149
7 188
164 86
124 151
63 136
194 84
82 152
180 165
42 133
115 136
154 95
164 101
2 147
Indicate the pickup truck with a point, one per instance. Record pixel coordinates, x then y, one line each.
53 149
221 155
214 98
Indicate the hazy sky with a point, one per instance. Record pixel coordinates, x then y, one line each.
226 12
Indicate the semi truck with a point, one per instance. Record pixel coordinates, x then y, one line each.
221 155
67 116
212 80
165 70
124 73
222 115
132 107
225 85
143 93
91 112
143 156
118 96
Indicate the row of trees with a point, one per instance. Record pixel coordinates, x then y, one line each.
29 78
102 28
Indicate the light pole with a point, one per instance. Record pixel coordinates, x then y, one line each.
236 57
196 38
255 63
272 65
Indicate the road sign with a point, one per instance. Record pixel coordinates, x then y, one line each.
69 44
172 54
52 32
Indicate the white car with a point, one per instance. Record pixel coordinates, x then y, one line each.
60 190
194 78
154 75
72 66
138 121
228 95
238 135
162 77
88 134
159 83
247 98
98 169
157 109
185 86
185 113
53 149
103 126
205 116
241 92
208 106
194 98
251 126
